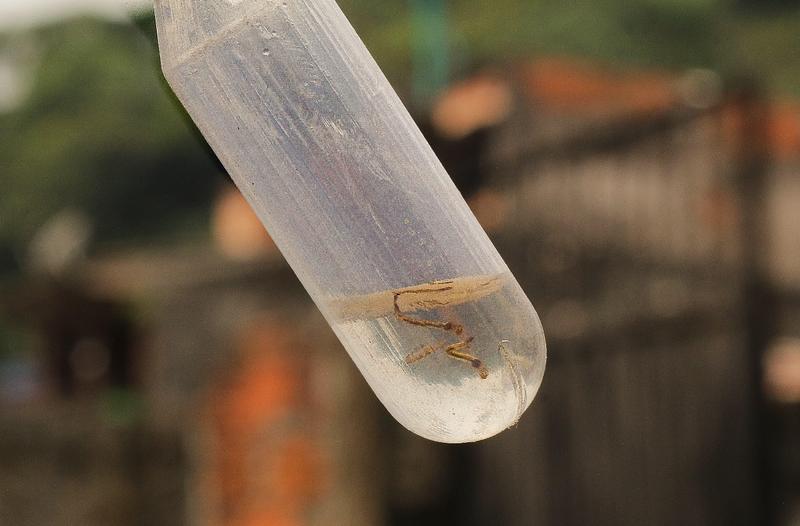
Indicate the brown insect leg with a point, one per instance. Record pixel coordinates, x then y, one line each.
444 325
455 351
420 354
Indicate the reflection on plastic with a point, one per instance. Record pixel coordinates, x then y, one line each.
325 153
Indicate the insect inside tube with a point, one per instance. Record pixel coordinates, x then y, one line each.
456 350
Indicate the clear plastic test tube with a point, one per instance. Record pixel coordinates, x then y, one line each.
320 145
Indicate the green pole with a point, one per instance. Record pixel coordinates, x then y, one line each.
430 49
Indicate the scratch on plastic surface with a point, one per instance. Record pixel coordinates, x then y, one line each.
375 217
338 129
516 380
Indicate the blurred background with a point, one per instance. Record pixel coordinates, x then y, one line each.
636 163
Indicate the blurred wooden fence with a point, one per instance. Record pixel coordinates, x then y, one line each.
640 243
635 242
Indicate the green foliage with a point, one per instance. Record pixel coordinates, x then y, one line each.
765 43
98 132
677 34
652 32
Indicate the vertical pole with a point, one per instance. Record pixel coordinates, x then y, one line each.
758 297
430 49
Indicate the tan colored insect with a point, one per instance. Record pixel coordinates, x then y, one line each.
438 294
404 302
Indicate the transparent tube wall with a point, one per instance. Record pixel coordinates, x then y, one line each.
326 154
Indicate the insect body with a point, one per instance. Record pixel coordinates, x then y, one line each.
428 297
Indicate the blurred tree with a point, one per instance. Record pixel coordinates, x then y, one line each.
649 32
715 34
98 133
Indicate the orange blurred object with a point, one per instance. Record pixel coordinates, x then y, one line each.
782 371
236 230
492 209
479 102
269 469
784 130
572 84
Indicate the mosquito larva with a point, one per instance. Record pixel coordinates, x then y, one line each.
461 321
454 350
